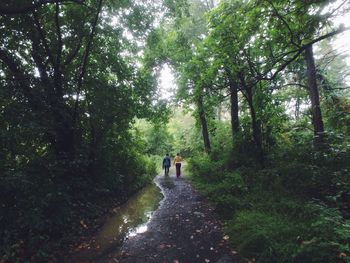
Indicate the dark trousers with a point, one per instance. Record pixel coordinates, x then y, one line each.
178 169
166 170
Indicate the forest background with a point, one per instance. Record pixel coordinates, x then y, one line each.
261 112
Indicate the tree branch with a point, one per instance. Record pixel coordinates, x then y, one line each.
297 53
39 61
19 74
43 38
295 84
84 64
74 52
331 13
284 22
13 8
57 68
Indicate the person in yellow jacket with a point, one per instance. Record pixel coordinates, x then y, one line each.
177 163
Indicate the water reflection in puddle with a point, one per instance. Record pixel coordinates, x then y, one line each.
131 218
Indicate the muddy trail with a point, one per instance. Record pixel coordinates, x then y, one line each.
183 229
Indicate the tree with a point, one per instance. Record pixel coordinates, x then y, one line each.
179 49
72 84
314 96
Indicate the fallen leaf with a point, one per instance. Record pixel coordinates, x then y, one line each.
83 224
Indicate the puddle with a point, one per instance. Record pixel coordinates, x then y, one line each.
130 219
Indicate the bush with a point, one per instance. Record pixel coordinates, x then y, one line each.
260 235
223 188
310 234
202 169
286 212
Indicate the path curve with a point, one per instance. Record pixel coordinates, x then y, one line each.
183 229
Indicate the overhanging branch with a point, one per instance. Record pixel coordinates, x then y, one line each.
297 53
13 8
19 74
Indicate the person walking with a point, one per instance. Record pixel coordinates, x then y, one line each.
177 162
166 164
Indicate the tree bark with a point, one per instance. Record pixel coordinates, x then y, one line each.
256 124
297 108
234 106
257 136
219 113
204 124
314 96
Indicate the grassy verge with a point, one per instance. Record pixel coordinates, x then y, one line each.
290 211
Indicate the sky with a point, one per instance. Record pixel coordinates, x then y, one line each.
167 85
341 43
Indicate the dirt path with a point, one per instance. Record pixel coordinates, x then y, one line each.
184 229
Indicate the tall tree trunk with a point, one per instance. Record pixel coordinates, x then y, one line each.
204 124
219 110
234 106
297 107
257 135
314 96
256 124
64 134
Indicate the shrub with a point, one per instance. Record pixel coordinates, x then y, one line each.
311 234
287 211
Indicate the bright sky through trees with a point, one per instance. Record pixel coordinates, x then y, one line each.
167 85
342 42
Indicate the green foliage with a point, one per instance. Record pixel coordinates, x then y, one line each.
159 140
337 112
281 192
291 232
289 211
225 191
185 136
76 75
71 85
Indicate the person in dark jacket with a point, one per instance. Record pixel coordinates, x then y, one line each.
166 164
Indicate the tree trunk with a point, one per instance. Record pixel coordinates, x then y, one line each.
256 124
314 96
64 133
297 107
204 124
234 107
257 136
219 111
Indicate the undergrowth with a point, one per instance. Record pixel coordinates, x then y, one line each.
289 211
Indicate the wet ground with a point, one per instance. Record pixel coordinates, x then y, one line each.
184 229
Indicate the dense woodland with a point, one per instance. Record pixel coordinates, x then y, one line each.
261 114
